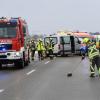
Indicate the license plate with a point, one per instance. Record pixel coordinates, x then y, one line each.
2 53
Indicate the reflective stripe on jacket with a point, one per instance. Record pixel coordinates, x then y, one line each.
40 46
93 51
50 46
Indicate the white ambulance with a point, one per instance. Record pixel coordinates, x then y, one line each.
64 44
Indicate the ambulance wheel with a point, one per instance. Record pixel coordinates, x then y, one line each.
62 54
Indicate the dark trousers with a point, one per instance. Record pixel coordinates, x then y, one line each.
40 54
93 62
50 52
32 54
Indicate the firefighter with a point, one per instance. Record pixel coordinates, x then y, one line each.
47 48
44 52
94 56
50 48
40 49
32 48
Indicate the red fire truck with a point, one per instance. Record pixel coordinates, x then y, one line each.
13 42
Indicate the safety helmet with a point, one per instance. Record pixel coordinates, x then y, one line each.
86 40
40 40
51 39
32 40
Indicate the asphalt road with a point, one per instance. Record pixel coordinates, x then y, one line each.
47 80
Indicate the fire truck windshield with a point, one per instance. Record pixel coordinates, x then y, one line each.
7 32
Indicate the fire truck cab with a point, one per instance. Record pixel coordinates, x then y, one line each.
13 42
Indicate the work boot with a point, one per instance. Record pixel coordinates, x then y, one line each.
42 58
92 75
32 58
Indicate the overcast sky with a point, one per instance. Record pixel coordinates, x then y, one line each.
48 16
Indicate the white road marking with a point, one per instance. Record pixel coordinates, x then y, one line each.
30 72
1 90
47 62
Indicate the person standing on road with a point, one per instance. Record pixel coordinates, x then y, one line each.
32 48
49 48
40 49
94 56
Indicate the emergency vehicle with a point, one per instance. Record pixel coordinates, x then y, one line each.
13 42
64 44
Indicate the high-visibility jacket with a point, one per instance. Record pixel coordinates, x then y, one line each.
93 51
40 46
51 45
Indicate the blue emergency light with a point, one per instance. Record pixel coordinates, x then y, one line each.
5 47
13 21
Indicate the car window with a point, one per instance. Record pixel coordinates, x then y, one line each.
47 39
65 40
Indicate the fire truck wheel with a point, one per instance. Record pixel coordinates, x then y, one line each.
0 65
19 64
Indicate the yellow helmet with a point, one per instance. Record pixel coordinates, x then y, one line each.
32 40
86 40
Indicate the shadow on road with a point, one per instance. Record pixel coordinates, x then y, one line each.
10 67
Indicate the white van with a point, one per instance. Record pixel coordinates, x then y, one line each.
64 44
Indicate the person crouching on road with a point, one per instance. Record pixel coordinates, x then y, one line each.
94 56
